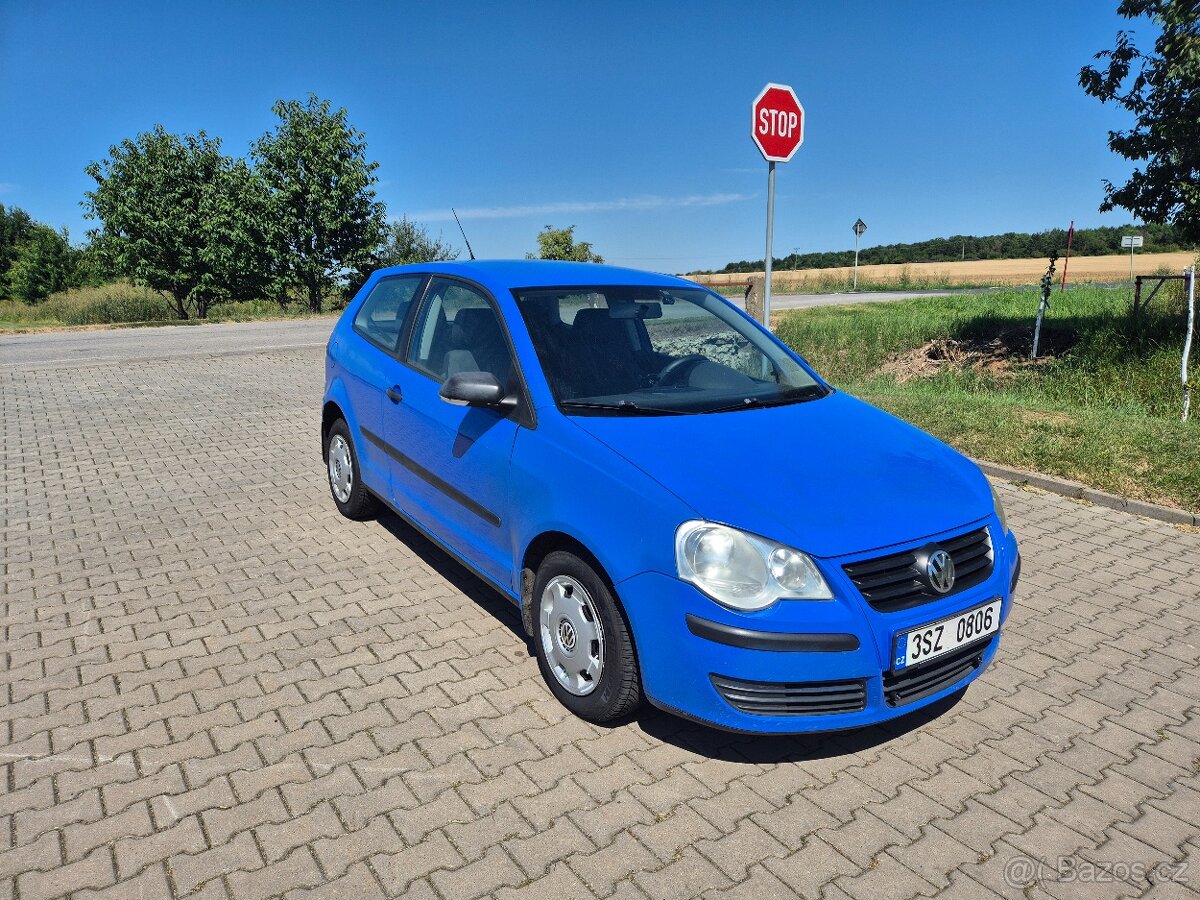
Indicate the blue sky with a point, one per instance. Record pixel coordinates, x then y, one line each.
628 120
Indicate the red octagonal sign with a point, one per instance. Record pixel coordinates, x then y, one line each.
777 125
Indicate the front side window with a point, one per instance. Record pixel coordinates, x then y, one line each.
647 350
381 317
458 330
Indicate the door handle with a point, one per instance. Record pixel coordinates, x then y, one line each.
394 394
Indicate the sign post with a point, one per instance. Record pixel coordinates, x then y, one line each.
1131 241
859 227
777 128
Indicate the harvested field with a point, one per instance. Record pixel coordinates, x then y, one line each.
982 272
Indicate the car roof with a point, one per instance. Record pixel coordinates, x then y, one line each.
522 273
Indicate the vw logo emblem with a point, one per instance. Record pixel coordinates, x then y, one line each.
940 571
566 635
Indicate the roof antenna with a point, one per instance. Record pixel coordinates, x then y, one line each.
464 234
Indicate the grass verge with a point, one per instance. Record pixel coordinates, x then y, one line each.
1102 407
126 305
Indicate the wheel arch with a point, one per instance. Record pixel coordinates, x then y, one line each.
541 546
330 413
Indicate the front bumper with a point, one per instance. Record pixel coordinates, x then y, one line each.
825 664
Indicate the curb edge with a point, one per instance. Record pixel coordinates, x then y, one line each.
1077 491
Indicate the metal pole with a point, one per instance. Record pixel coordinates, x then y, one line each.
1187 342
1131 262
1037 328
856 237
770 226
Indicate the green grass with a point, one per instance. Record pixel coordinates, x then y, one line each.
121 303
1103 409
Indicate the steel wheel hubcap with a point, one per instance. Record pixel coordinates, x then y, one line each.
571 634
341 469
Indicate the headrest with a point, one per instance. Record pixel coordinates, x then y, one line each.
475 325
595 321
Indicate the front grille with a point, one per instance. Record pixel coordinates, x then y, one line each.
793 698
895 582
910 685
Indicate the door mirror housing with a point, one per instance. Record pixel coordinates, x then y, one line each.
475 389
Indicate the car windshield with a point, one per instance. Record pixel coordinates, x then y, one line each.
652 351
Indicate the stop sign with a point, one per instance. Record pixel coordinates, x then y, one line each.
777 124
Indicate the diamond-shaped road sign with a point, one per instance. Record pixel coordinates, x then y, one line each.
777 125
859 227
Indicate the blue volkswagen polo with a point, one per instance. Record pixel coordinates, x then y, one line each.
682 509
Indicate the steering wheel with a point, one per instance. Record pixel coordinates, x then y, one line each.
675 367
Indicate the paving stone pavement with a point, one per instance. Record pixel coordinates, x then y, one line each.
215 687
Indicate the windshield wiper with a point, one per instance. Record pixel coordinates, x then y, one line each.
624 406
811 392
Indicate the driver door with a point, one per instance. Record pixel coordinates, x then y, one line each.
451 463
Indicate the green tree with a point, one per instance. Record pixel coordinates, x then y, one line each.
407 242
1162 90
15 226
326 223
45 262
560 243
94 267
181 217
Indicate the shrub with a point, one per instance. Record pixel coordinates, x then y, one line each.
245 310
107 304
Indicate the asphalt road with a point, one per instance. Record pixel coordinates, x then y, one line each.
66 348
807 301
85 348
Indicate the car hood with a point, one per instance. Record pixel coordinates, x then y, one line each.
830 476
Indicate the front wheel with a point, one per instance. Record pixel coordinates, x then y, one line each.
584 648
353 500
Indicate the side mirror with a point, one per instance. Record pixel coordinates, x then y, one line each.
473 389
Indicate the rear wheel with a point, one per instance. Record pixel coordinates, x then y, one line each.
353 500
584 648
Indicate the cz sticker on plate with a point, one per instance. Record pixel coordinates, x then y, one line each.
941 637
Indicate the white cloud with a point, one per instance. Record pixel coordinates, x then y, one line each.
626 204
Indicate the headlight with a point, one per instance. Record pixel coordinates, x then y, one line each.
999 508
743 570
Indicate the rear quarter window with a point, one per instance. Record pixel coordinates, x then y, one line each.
381 317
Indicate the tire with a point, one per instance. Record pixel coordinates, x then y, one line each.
341 464
583 645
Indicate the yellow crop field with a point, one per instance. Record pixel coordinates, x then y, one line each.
983 272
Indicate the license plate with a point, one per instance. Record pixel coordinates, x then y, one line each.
942 637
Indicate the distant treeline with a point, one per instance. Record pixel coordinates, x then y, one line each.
1012 245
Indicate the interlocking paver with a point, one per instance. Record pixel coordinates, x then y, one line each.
337 851
602 870
399 869
191 871
214 686
296 871
134 853
93 871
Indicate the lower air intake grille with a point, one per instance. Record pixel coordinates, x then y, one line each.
910 685
792 698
